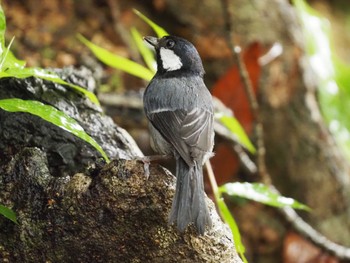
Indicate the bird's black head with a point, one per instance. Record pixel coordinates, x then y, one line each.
176 54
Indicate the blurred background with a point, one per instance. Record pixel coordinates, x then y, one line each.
298 66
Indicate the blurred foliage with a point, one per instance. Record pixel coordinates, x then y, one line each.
233 125
125 64
333 73
10 66
117 61
161 32
230 220
146 53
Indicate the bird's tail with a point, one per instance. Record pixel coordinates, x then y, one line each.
189 201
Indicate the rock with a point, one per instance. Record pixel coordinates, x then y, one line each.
70 206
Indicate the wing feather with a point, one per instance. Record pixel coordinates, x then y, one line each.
190 132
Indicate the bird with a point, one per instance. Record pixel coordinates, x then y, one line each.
180 112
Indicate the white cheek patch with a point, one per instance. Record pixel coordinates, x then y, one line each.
170 61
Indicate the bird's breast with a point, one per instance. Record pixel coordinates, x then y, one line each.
183 93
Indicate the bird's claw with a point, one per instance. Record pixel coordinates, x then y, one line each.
147 161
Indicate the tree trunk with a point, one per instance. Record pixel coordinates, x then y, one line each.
301 156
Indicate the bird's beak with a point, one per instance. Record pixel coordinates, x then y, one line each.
153 41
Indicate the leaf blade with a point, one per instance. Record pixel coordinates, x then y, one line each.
118 62
23 73
157 29
260 193
51 76
226 214
229 219
146 53
235 127
53 116
8 213
2 31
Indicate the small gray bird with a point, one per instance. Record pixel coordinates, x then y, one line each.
180 112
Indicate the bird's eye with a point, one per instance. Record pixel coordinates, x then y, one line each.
170 43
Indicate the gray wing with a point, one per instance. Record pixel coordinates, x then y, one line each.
190 132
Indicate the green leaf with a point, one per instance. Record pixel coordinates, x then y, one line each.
226 215
10 61
51 76
235 127
52 115
229 219
118 62
8 213
4 54
260 193
2 30
157 29
147 54
22 73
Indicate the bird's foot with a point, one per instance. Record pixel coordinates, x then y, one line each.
148 159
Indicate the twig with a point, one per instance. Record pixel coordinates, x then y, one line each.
314 236
245 160
211 177
130 101
236 50
290 215
224 132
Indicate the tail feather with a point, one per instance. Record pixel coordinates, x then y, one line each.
200 212
189 201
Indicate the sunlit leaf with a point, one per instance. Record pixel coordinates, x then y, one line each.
51 76
157 29
260 193
146 53
52 115
8 213
4 55
7 58
118 62
235 127
2 30
22 73
10 66
10 61
226 214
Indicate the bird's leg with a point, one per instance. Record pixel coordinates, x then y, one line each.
148 159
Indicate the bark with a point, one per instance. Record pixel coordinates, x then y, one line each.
71 207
